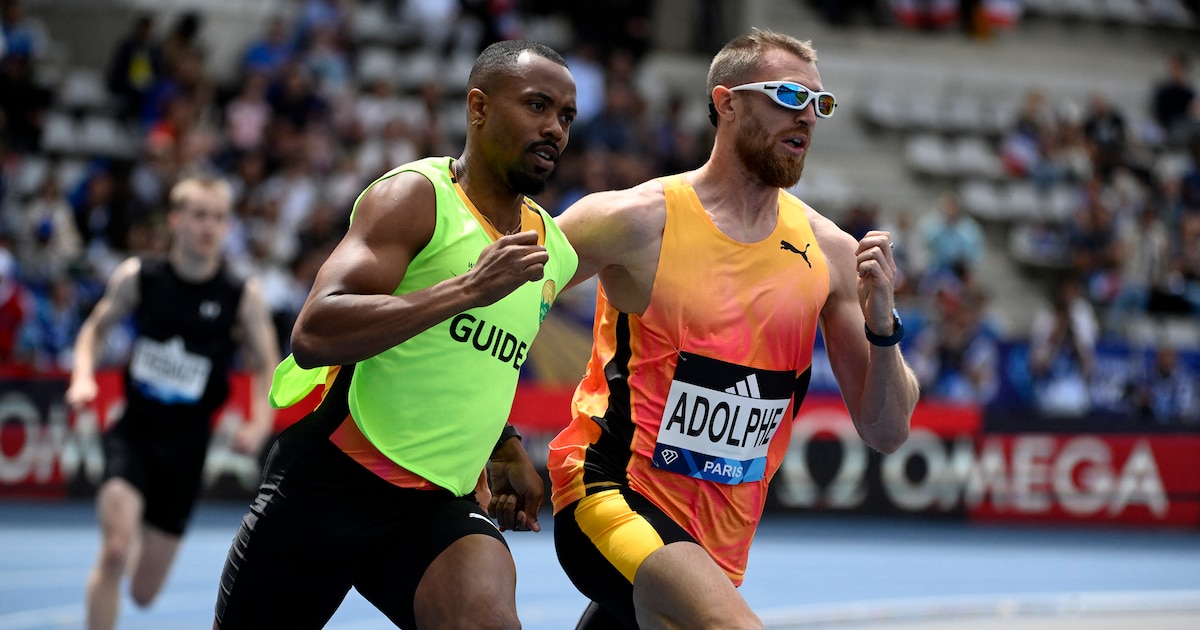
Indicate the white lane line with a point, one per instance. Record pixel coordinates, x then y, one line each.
982 606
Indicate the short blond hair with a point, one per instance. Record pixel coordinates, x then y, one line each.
195 186
740 59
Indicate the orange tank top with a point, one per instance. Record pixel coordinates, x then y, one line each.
690 403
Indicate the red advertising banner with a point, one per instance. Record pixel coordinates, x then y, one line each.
1133 479
949 466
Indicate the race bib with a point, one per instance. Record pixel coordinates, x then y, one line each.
719 419
167 372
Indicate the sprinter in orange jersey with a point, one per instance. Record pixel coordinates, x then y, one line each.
712 286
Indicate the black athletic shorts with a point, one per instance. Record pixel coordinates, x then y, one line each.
625 528
321 524
164 459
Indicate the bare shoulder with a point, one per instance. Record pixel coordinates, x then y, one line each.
837 244
123 279
404 200
121 293
637 214
840 249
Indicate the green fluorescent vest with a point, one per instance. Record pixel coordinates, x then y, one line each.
436 403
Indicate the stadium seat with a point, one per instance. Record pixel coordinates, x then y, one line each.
103 135
83 89
980 199
375 63
1021 202
964 114
1170 13
417 68
974 156
927 154
31 174
60 134
880 109
1124 11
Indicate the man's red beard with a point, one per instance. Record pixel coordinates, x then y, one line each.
762 160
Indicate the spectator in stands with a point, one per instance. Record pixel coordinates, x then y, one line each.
248 113
1163 390
292 195
1189 183
588 69
427 122
1092 240
1143 247
1023 146
950 237
135 67
612 25
1105 129
23 36
1186 261
47 339
910 255
328 63
269 52
859 219
179 114
294 100
499 20
16 305
676 147
1062 351
185 80
1174 102
587 172
48 241
396 144
316 14
617 128
23 102
374 108
956 357
1067 157
183 41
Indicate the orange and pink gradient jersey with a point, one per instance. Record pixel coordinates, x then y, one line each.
691 402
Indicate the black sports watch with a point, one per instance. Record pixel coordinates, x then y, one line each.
507 434
890 340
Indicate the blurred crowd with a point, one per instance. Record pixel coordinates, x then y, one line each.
1125 253
300 129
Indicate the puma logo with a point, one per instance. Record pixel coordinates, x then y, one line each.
792 248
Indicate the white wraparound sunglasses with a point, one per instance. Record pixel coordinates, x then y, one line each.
792 95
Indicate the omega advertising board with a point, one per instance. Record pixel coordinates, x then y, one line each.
952 465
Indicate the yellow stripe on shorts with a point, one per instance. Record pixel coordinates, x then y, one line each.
621 534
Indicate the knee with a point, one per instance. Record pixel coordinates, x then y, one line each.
142 596
115 555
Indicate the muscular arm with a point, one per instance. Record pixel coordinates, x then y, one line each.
618 235
119 299
879 388
351 314
261 352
